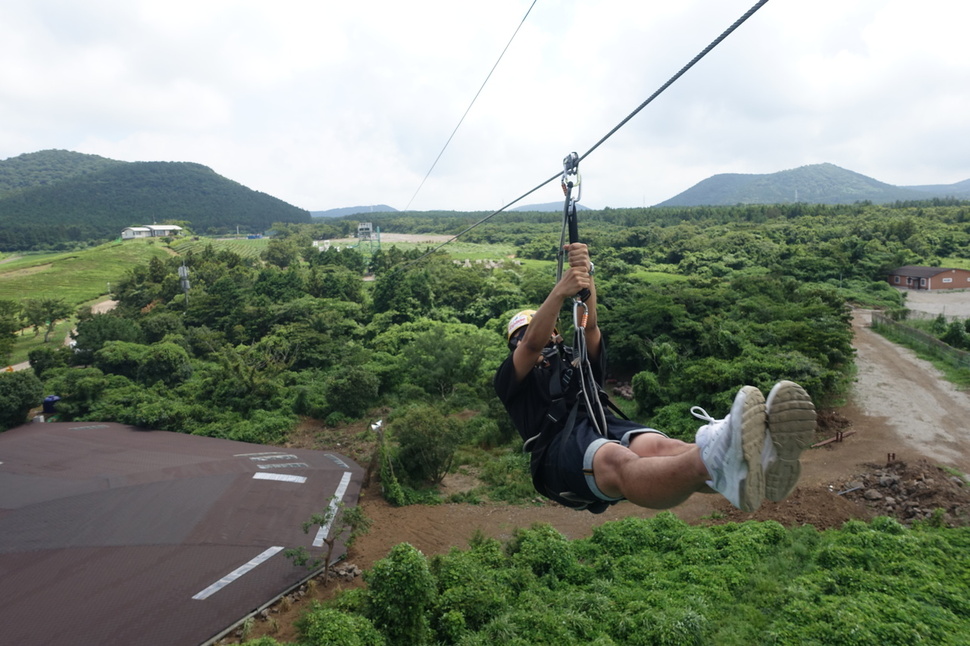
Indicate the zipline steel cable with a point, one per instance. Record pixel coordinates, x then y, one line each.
468 109
673 79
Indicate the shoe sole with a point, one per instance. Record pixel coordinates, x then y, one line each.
791 426
749 407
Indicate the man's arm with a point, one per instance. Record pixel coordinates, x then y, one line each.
580 262
574 279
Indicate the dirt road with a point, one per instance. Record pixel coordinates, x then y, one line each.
926 413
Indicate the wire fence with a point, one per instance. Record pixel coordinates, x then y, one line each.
957 358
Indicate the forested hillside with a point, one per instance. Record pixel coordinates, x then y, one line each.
47 167
60 198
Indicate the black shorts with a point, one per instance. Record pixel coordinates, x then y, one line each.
564 472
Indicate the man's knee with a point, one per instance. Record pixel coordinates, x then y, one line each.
608 464
648 445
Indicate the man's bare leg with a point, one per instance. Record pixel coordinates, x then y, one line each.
659 481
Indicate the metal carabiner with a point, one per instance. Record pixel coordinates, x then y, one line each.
579 320
571 178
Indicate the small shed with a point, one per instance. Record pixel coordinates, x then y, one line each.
130 233
916 277
163 230
150 231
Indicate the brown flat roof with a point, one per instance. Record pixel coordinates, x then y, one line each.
919 272
115 535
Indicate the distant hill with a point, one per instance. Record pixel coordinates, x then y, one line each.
815 184
353 210
57 196
383 208
554 207
960 190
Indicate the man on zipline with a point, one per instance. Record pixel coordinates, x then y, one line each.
749 455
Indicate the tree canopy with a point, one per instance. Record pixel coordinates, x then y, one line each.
693 304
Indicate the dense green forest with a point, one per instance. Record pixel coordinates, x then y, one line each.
56 200
256 343
693 304
47 167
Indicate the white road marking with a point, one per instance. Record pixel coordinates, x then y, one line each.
274 456
285 465
338 497
283 477
238 572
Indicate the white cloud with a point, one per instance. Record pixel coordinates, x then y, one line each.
328 104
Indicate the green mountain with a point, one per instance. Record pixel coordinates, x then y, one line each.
815 184
55 196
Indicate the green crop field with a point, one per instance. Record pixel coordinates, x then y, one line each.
78 277
245 247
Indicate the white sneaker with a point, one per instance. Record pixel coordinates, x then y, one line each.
791 427
732 448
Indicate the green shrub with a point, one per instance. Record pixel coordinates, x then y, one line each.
401 591
542 550
508 477
19 392
427 441
321 626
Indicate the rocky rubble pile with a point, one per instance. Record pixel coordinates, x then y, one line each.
911 492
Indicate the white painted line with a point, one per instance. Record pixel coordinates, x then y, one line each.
238 572
338 497
246 455
274 456
284 465
283 477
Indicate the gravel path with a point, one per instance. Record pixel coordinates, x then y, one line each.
924 411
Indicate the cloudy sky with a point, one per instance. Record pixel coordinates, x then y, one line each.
330 104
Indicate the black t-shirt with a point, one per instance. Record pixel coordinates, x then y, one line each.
528 401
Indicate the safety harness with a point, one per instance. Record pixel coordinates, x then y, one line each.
572 383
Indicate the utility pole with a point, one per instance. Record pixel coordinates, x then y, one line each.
184 279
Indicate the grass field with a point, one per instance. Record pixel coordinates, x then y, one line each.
78 277
27 341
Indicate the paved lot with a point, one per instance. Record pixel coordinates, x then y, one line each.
114 535
951 303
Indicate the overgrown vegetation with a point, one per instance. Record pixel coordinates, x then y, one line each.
661 581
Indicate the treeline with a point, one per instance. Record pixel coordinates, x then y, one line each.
95 206
760 295
253 345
